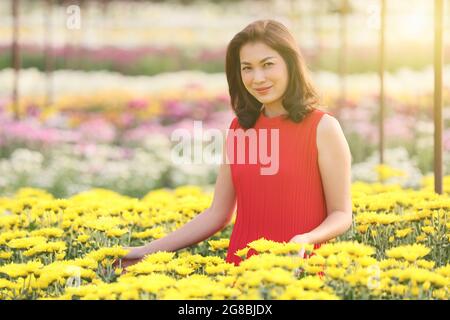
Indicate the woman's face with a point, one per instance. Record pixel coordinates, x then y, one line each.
264 73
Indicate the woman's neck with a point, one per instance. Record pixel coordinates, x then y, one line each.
272 111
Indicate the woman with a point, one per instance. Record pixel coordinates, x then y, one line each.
305 196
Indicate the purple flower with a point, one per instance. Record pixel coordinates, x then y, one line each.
33 110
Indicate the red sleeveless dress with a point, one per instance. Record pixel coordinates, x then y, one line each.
279 205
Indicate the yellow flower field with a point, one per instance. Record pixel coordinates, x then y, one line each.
398 248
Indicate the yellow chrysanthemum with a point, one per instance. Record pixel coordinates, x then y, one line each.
408 252
403 232
219 244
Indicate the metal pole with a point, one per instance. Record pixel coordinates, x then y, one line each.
48 55
381 75
68 45
293 17
438 125
15 58
85 7
78 50
317 16
343 49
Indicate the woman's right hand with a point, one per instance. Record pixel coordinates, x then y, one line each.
135 252
135 255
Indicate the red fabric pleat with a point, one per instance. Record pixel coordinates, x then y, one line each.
279 206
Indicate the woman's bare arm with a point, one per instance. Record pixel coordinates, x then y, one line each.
207 223
203 226
335 169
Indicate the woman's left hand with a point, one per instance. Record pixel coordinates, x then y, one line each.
302 239
135 255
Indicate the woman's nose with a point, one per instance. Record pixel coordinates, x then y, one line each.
259 76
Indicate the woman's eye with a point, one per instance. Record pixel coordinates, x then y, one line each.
265 65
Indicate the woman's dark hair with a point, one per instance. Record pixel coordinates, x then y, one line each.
300 97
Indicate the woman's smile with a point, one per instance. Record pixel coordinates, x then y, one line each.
264 90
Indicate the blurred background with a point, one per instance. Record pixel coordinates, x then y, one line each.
90 91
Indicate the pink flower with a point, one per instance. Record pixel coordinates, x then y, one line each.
98 130
399 126
137 104
446 140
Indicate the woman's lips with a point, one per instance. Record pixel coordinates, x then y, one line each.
263 90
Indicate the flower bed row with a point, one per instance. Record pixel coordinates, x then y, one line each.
53 248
